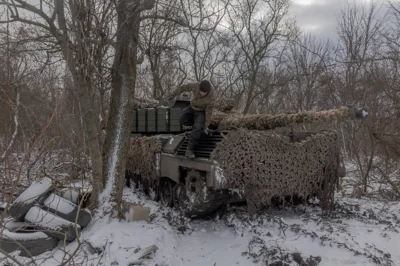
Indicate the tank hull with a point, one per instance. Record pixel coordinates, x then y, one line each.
255 167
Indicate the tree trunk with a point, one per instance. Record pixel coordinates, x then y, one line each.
120 116
81 78
249 99
93 137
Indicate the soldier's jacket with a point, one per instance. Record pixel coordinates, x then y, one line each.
197 102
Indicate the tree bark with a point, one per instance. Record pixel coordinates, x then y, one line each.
121 109
93 138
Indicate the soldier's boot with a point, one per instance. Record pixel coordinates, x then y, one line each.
190 149
189 153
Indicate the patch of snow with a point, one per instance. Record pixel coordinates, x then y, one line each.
117 143
35 190
83 185
13 225
3 205
237 191
219 176
205 194
361 232
62 205
23 236
71 195
46 219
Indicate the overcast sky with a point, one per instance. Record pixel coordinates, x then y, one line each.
320 16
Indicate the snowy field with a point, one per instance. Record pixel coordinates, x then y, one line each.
359 232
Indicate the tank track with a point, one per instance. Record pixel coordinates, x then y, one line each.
192 198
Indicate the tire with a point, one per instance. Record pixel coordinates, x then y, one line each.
3 206
12 225
34 194
71 194
67 210
29 243
52 224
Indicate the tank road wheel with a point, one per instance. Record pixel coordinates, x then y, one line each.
195 183
166 192
154 191
181 199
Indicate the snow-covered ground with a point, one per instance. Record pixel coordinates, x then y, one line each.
359 232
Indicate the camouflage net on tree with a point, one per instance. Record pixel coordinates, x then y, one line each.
141 157
266 166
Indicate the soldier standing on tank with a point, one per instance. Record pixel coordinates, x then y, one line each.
198 113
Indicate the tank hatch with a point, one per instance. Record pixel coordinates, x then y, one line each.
206 145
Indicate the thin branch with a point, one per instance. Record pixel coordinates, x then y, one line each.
14 136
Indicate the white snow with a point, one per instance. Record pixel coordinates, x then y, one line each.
12 225
35 190
226 239
71 195
3 205
219 176
46 219
62 205
24 236
360 231
116 152
83 185
220 179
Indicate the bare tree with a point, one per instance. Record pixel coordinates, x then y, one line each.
159 42
121 107
76 30
358 56
258 27
308 64
203 51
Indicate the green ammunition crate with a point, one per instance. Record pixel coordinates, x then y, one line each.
142 120
162 111
175 122
151 114
151 126
175 113
135 121
162 128
175 128
157 120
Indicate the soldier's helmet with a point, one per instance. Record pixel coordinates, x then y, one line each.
205 86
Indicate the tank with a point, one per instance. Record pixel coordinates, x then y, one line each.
243 160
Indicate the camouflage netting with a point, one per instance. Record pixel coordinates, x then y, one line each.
141 157
224 121
265 166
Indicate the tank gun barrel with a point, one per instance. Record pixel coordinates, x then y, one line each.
225 121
